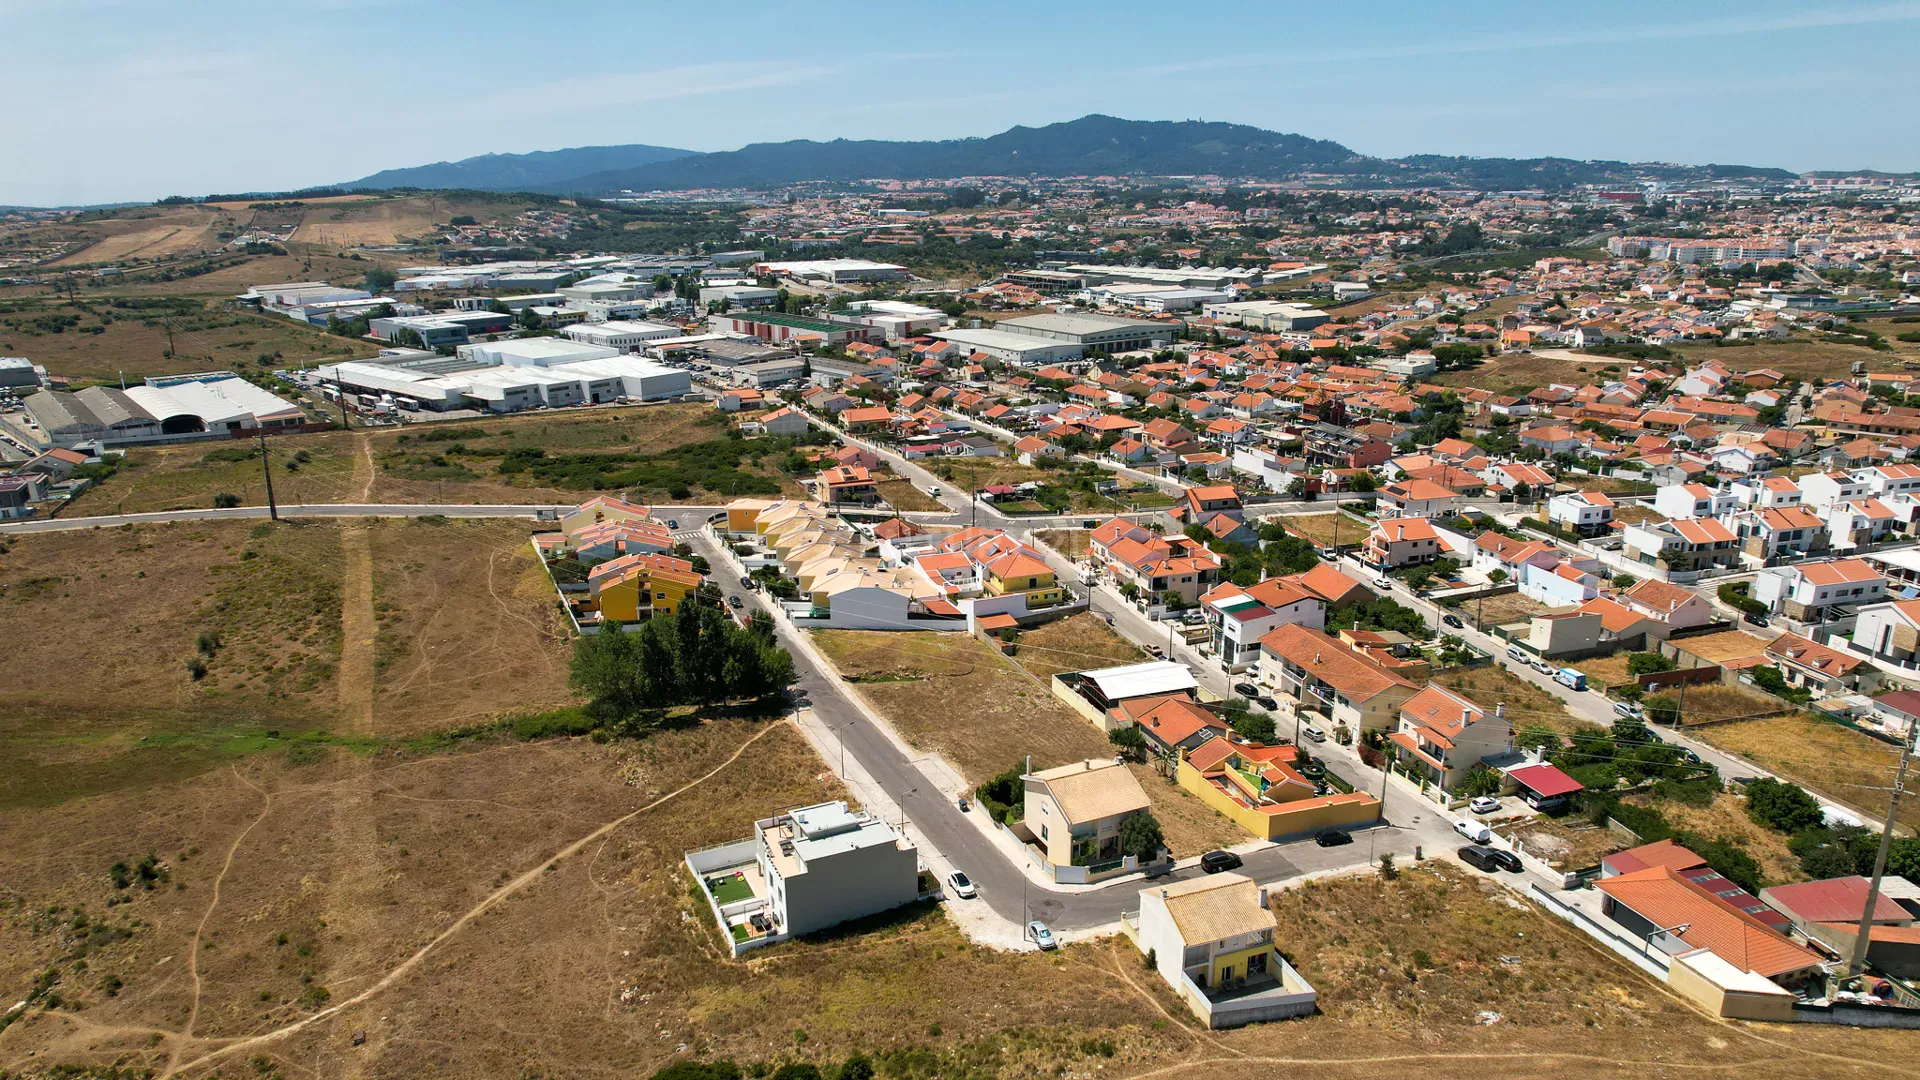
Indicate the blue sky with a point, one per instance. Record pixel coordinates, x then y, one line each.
133 100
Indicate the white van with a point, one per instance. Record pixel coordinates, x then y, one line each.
1475 831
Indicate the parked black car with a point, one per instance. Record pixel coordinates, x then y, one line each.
1481 857
1757 620
1215 861
1267 703
1246 689
1507 860
1332 838
1452 620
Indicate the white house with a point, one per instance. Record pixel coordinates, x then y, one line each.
1805 591
1238 618
1884 480
1822 490
1672 605
1681 502
1558 586
1493 553
1589 513
1212 940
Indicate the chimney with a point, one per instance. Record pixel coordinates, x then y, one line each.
1500 710
1089 764
1163 894
1466 716
1263 896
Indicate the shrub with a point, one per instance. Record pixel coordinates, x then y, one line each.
1648 663
207 643
197 667
1783 806
225 501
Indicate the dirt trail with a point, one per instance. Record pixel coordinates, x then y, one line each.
357 624
400 971
200 931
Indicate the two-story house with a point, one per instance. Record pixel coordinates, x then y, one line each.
1239 617
1495 553
1212 940
1827 489
1402 541
1684 546
1072 816
1589 513
1420 498
1322 674
1808 591
1678 608
1680 502
825 864
1441 735
1770 536
1890 632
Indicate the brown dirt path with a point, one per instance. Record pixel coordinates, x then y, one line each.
357 623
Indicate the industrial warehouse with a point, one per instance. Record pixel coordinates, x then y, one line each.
173 408
507 376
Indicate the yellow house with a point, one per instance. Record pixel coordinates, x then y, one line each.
1211 939
1018 571
1073 815
602 508
637 587
1259 790
743 515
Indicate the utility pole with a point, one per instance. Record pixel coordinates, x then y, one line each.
1859 961
266 468
167 322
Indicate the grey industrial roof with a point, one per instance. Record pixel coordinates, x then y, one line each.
1081 324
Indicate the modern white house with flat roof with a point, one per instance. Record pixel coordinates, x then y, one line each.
806 870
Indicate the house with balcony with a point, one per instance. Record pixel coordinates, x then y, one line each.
1772 536
1860 523
1882 481
1237 618
803 871
1810 591
632 589
1560 585
1589 513
1826 489
1683 547
846 485
1323 675
1163 565
1766 493
1212 940
1402 541
1442 735
1072 816
1680 502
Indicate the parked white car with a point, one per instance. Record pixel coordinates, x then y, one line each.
962 885
1485 804
1475 831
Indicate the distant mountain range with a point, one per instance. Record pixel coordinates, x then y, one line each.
520 172
1090 146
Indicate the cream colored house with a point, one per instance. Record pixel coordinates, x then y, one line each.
1211 939
1073 815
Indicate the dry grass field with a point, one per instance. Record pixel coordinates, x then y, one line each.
189 476
1804 360
352 222
449 462
901 494
459 634
1319 528
504 908
1726 645
1606 670
1527 705
144 232
1075 643
1073 543
1727 819
1711 703
1838 761
950 694
1568 843
1509 372
109 342
1503 609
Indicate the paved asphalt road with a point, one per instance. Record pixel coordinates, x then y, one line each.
941 825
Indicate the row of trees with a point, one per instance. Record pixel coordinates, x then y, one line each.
696 656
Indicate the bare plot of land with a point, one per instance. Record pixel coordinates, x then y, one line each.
1073 543
1716 702
984 713
1854 768
1569 843
1503 609
1076 643
1726 645
1527 705
1512 372
1320 529
387 221
1617 485
1637 515
106 343
1608 671
190 476
468 625
144 232
901 494
1804 360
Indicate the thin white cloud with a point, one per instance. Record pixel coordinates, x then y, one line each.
1805 20
662 84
